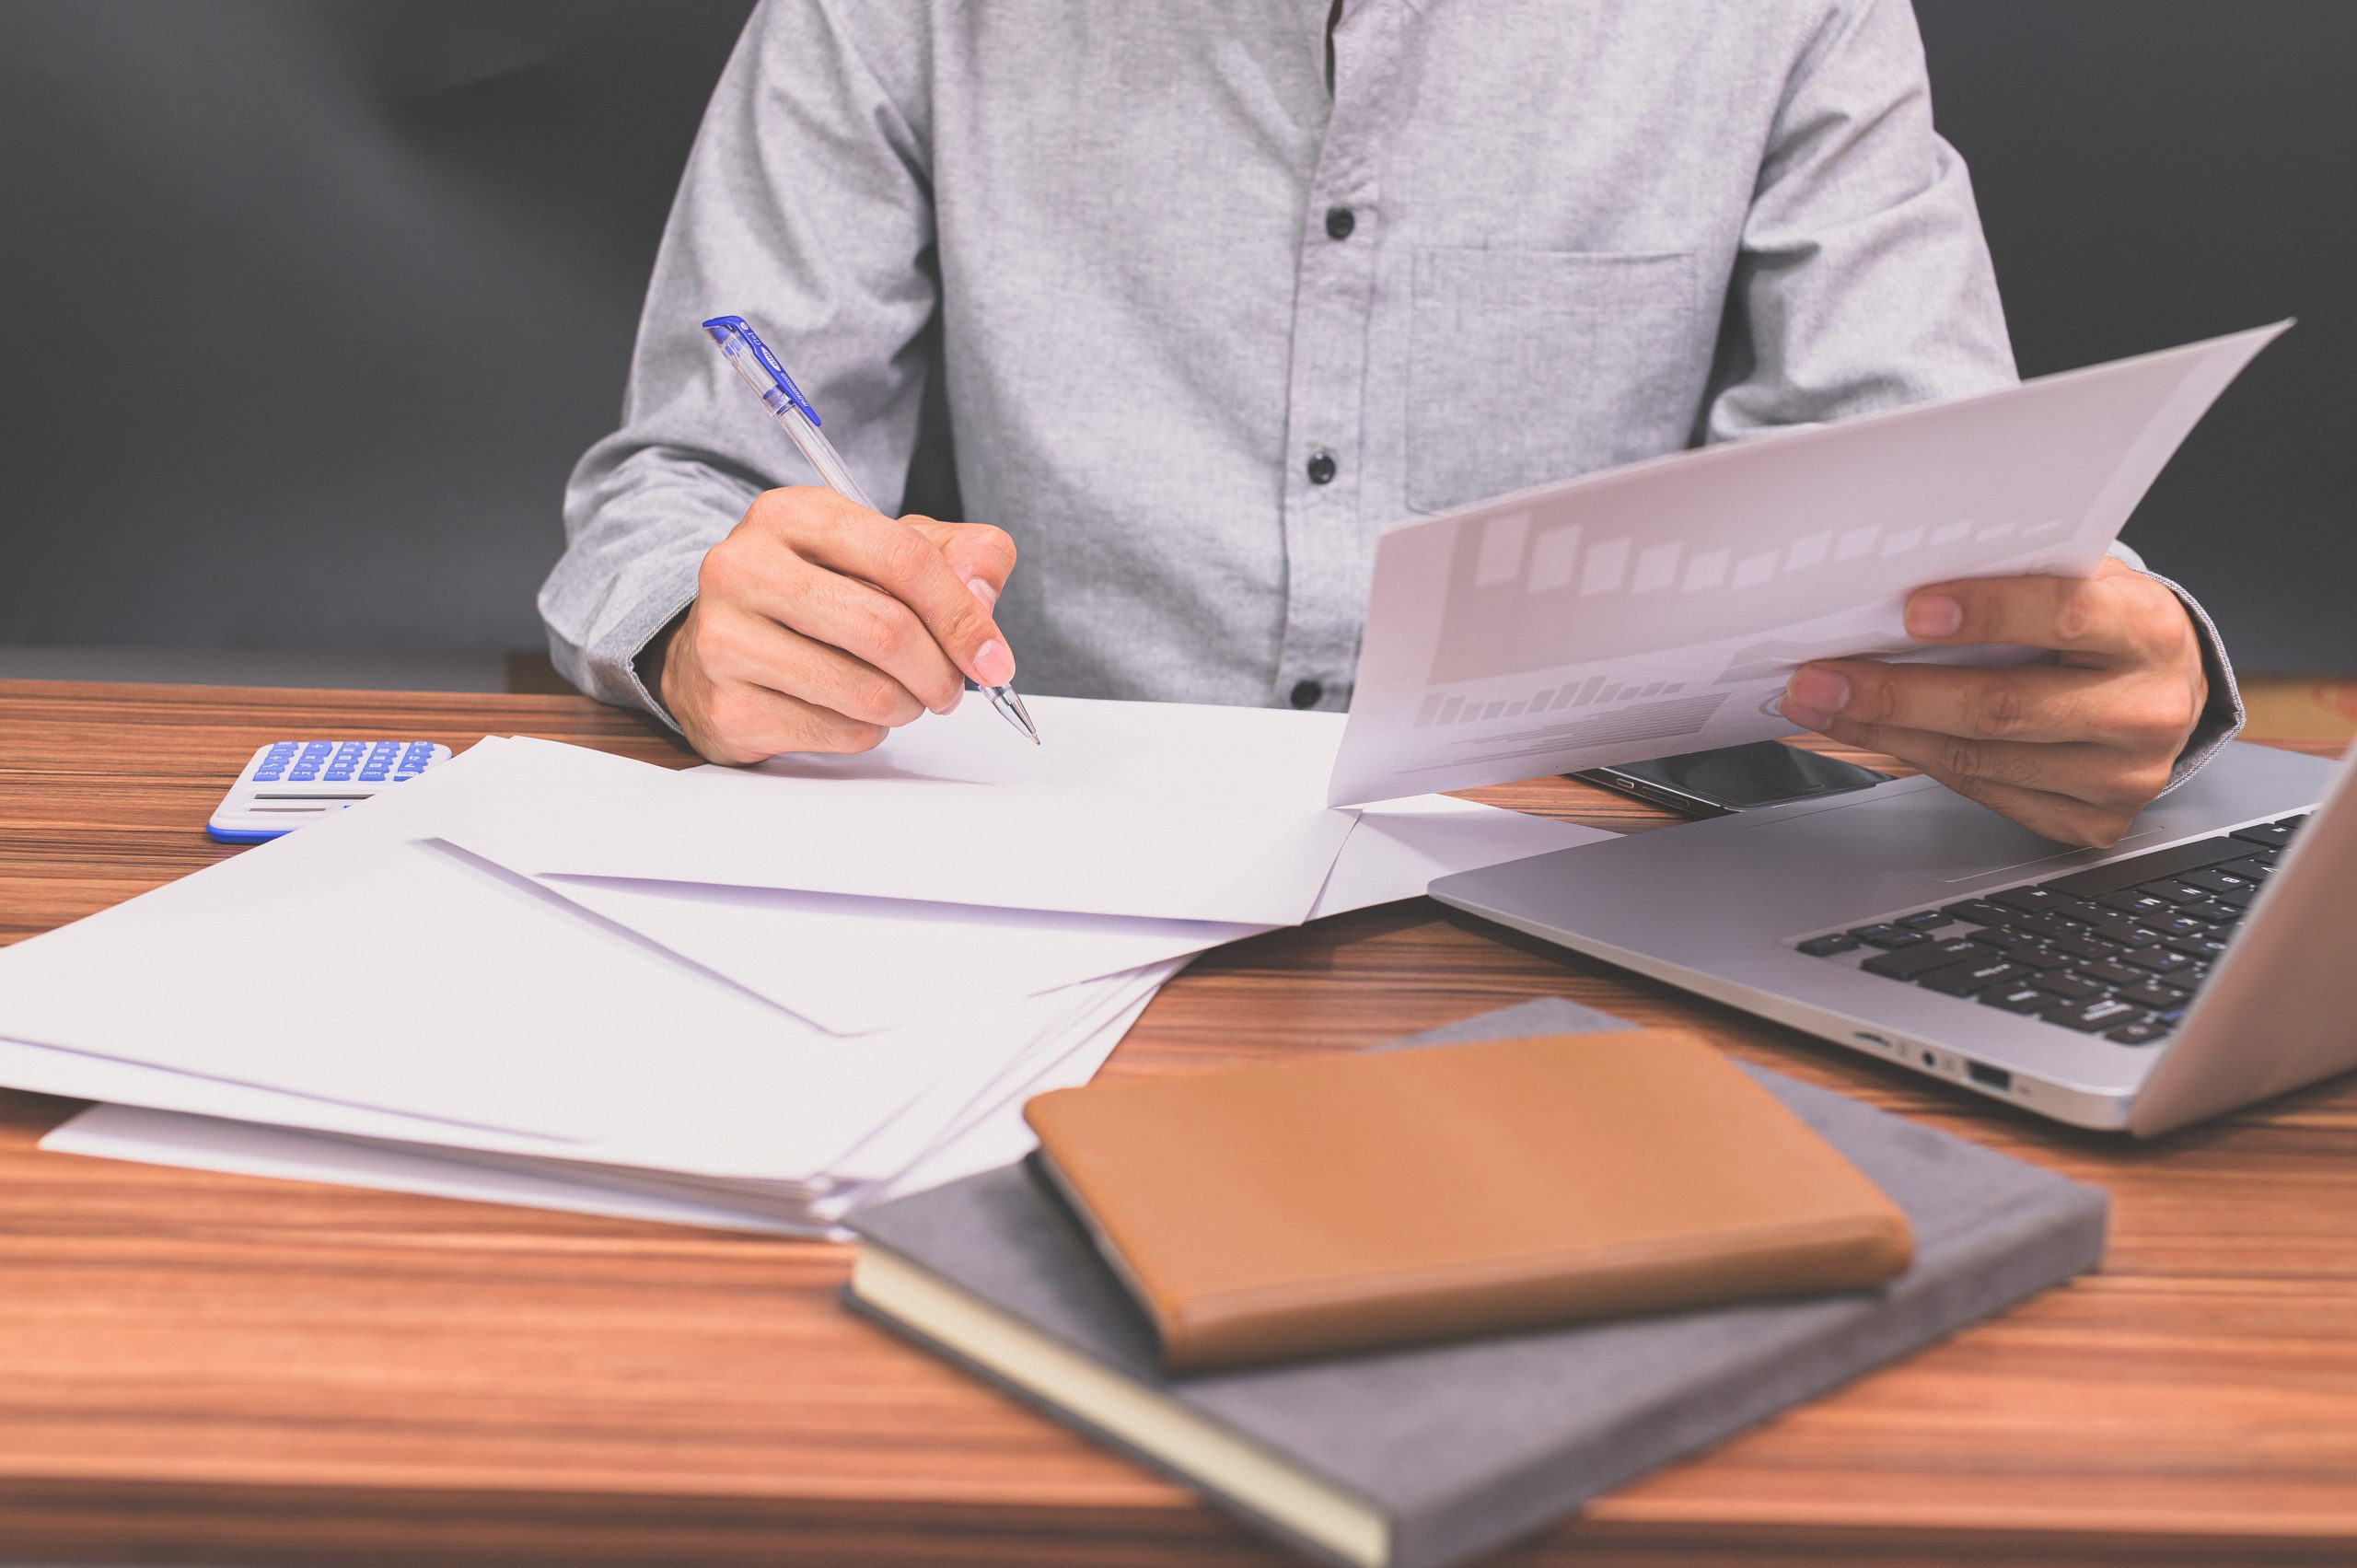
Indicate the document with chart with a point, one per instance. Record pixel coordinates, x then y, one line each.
1659 608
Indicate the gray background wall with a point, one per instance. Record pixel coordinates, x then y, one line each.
308 305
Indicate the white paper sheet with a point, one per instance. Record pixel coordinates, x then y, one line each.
991 1135
348 978
852 965
246 1148
997 1134
794 1116
1159 810
1659 608
348 963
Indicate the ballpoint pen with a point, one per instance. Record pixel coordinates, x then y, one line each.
785 402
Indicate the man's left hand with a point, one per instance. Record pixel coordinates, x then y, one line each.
2071 750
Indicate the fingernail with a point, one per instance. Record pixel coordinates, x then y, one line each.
994 666
983 591
1807 718
1933 615
1819 690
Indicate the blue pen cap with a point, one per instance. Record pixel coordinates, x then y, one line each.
760 368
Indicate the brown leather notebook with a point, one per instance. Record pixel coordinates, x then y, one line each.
1346 1203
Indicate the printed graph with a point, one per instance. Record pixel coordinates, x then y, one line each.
1767 539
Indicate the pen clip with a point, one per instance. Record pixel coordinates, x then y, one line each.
736 336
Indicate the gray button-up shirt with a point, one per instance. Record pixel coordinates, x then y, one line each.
1211 317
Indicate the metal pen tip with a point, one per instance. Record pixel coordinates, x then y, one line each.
1011 708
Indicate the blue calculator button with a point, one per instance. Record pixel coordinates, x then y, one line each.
374 775
268 775
303 775
339 775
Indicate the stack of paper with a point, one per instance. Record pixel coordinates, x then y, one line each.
544 975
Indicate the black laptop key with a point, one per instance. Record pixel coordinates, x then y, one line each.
2144 1033
1826 946
2127 933
2103 1013
2160 960
2068 986
2046 927
2273 835
1928 919
2136 868
1905 963
2257 868
1963 980
1980 911
2195 947
2086 947
2177 893
2215 879
2040 958
2153 993
2239 898
2107 973
2029 901
1885 936
2023 946
2127 901
2178 925
2016 998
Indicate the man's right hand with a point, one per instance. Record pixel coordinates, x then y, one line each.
819 625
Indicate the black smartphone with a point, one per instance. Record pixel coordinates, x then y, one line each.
1734 778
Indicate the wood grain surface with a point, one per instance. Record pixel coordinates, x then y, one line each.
213 1369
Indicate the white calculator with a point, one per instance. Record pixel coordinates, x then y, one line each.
289 783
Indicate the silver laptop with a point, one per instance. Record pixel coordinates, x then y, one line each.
2206 961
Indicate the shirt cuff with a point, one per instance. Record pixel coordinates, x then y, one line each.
2222 716
613 657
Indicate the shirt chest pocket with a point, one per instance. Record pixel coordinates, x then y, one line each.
1527 366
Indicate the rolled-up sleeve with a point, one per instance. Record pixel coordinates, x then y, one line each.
805 208
1864 280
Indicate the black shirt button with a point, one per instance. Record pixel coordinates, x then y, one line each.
1321 467
1340 221
1306 693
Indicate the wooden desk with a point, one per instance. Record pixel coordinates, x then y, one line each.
199 1368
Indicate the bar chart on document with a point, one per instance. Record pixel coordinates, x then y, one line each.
1660 607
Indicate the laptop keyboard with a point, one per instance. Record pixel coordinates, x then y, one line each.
2117 949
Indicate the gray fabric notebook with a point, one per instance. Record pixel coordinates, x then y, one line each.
1425 1456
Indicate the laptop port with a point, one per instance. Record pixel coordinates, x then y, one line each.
1990 1077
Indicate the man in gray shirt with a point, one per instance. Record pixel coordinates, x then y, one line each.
1223 287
